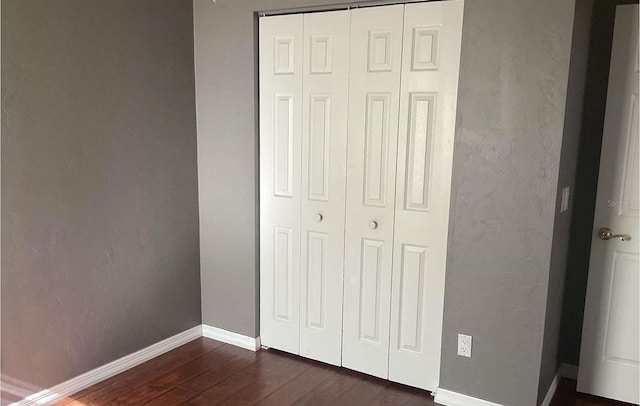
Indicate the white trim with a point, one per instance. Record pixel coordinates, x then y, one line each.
552 388
99 374
569 371
230 337
449 398
107 371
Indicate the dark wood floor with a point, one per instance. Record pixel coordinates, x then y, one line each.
207 372
566 395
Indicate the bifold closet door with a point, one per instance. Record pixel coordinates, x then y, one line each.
324 148
430 65
357 119
376 47
304 74
280 180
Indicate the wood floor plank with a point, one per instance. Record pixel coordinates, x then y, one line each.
566 395
396 395
163 383
101 396
220 371
221 390
173 397
328 391
227 352
158 366
299 386
362 392
248 377
268 382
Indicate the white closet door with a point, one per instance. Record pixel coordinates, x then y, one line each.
376 46
430 65
324 149
280 181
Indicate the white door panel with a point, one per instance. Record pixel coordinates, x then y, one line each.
324 149
428 96
609 353
280 181
376 46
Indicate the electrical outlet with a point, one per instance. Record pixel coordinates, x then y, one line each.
464 345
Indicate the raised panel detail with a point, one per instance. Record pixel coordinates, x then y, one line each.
319 137
376 148
282 272
283 146
283 58
320 54
621 342
370 290
425 48
412 273
629 204
316 279
419 147
380 51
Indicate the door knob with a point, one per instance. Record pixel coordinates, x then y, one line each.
319 217
605 233
373 224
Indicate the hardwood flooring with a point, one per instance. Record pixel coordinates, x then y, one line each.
566 395
207 372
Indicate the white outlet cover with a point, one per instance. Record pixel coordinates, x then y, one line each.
464 345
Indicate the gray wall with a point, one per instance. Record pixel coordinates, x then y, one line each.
100 253
568 162
586 181
513 87
226 83
511 102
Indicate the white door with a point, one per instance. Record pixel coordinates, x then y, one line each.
428 97
324 152
376 47
609 354
280 180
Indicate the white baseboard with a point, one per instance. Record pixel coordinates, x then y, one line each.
449 398
107 371
552 388
99 374
229 337
569 371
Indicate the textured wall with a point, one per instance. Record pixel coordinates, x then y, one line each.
511 102
99 183
513 86
567 174
227 91
586 181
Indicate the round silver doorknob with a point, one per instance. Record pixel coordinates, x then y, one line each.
373 224
319 217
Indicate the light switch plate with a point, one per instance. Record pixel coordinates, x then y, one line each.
564 205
